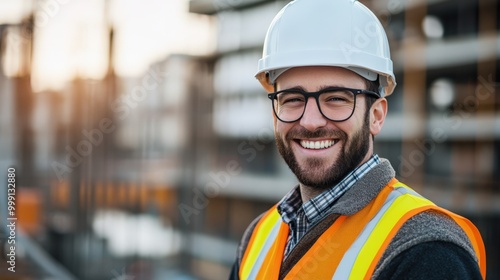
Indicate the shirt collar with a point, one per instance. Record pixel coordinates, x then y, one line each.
315 209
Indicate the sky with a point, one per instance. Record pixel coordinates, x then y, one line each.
72 36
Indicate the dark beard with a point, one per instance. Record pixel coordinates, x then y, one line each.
352 153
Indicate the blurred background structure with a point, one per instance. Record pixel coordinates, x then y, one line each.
143 146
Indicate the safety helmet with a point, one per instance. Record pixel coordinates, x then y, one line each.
342 33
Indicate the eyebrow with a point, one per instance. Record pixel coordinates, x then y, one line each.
320 88
332 86
295 88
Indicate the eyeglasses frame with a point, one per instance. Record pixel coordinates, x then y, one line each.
316 94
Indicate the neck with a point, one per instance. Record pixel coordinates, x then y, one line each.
307 193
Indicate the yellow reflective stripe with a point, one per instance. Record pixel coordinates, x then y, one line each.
347 262
400 186
262 235
265 251
399 207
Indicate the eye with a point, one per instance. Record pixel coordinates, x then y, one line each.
337 97
289 98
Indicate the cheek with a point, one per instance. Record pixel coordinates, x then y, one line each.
280 128
278 125
352 126
357 120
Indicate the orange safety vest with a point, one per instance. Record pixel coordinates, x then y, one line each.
352 246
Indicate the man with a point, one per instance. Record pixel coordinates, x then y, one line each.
326 65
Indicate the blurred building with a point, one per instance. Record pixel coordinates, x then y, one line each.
100 166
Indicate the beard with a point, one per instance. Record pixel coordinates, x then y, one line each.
313 173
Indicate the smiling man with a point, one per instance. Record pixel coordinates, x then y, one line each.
327 69
323 140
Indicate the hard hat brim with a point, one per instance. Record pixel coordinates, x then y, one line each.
352 60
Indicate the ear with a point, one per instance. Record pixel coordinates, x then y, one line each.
378 112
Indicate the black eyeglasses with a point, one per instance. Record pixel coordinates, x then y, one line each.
335 103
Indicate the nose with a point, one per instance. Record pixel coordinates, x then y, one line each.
312 118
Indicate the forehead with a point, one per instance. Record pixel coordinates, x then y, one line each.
312 78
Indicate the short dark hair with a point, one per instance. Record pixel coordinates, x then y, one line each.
370 99
371 86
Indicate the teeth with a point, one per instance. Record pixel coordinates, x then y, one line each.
316 144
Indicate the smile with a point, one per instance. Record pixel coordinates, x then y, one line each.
316 145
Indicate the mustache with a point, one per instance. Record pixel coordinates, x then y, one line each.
300 132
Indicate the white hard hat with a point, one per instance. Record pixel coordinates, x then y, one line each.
342 33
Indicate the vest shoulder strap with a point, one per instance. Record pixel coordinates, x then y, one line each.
406 205
264 253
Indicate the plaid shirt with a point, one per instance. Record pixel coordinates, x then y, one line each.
300 216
